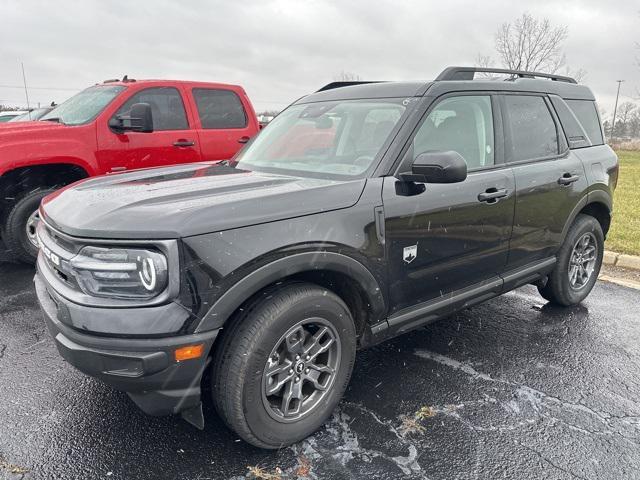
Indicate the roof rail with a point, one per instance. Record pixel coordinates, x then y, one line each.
468 73
332 85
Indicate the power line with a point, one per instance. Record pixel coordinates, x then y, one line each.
42 88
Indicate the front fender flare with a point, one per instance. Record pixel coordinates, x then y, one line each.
270 273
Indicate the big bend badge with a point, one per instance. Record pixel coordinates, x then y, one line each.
409 254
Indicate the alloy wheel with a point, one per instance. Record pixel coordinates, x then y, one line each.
301 370
582 261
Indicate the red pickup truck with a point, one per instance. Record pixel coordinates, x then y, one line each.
114 126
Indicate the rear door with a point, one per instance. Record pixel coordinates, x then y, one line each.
550 178
223 123
442 238
172 141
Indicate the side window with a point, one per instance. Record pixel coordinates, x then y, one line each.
219 108
574 131
463 124
585 111
167 108
533 131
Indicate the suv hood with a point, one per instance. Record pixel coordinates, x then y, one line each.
7 128
188 200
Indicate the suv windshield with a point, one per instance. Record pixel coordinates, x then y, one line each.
338 139
85 106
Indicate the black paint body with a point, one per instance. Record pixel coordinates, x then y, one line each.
237 232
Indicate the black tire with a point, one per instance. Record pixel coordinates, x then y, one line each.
14 232
558 289
246 346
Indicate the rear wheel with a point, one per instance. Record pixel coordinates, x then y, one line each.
284 364
578 263
19 231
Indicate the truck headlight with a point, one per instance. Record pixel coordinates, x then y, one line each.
128 273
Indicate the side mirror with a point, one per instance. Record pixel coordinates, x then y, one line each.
437 167
140 119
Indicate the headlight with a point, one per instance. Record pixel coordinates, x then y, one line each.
129 273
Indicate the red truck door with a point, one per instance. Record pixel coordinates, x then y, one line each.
225 121
172 141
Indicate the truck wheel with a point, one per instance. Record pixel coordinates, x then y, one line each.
284 364
19 232
578 263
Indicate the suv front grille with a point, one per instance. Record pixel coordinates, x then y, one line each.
57 250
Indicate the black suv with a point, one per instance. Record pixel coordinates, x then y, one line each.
361 212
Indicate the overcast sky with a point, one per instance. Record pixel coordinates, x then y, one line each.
280 50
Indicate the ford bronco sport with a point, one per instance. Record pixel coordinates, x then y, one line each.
359 213
113 127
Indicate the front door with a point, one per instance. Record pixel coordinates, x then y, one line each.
444 237
172 141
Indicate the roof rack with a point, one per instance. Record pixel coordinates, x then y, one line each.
468 73
332 85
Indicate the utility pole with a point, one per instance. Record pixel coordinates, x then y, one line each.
26 93
615 109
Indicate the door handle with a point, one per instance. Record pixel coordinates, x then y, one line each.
244 139
568 179
492 195
184 143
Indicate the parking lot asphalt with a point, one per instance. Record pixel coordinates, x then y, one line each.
513 388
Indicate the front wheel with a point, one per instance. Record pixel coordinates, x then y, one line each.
578 263
284 364
19 231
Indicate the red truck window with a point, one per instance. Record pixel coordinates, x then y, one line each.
219 109
167 107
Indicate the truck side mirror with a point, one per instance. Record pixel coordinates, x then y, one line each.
437 167
140 119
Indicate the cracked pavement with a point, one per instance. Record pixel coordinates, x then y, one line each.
513 388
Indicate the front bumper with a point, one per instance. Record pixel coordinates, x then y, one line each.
143 368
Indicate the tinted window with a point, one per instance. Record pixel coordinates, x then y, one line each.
573 130
585 111
462 124
166 107
219 108
533 131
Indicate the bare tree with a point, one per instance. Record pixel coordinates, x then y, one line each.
607 128
633 129
531 44
485 61
622 123
346 77
580 75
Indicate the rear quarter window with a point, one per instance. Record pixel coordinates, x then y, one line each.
573 129
586 113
